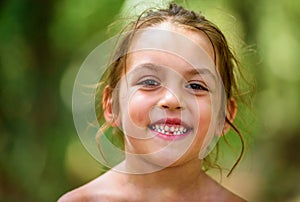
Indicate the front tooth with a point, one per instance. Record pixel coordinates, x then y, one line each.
166 128
172 129
161 127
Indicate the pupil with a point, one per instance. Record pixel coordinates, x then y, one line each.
151 82
195 86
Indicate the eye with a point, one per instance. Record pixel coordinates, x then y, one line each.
196 87
149 83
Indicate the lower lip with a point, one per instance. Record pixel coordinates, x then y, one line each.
170 137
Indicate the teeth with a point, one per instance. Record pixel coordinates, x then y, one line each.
166 128
169 130
172 129
181 129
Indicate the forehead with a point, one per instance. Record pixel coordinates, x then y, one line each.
168 44
190 33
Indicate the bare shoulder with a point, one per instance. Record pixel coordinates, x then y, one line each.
99 189
88 192
216 192
231 197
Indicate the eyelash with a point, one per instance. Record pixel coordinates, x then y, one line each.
152 83
196 87
149 83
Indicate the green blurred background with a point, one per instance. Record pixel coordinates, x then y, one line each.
42 45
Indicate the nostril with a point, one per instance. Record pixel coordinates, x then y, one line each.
168 107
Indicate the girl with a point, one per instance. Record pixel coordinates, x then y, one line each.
169 92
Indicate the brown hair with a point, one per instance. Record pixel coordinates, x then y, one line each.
227 62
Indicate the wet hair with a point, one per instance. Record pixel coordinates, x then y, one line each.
224 59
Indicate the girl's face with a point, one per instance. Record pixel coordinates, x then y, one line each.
169 97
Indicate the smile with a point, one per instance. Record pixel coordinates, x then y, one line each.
169 129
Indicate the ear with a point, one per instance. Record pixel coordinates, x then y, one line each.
230 114
107 104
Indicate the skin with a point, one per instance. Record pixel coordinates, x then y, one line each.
181 179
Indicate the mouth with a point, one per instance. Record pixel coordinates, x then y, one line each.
170 128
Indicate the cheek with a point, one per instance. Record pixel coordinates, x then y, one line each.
139 107
203 117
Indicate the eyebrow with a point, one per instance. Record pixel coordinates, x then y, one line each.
150 66
157 68
196 71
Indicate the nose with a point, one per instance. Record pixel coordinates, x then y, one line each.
170 101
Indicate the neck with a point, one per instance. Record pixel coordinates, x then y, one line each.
175 177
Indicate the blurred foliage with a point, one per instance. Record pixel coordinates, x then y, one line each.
42 45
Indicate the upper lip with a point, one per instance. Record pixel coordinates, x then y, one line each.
171 121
